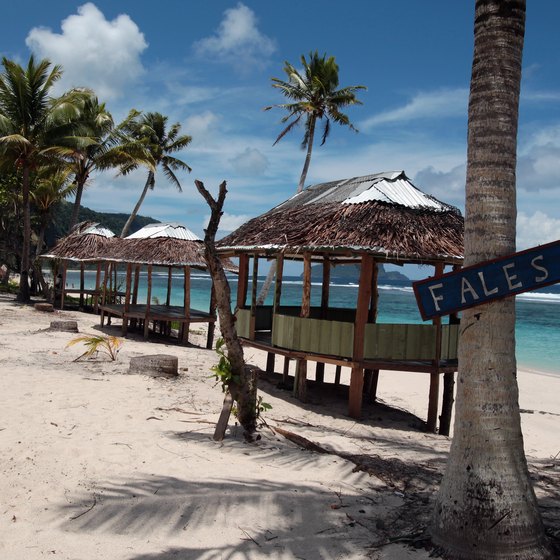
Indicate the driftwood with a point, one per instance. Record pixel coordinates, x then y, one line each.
48 307
156 365
64 326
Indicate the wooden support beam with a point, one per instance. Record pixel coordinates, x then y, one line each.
270 362
97 288
136 283
362 313
253 318
63 284
127 299
242 281
286 372
169 283
82 285
300 383
433 398
325 292
148 303
278 282
184 334
337 372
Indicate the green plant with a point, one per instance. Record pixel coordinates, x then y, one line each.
222 370
262 406
110 345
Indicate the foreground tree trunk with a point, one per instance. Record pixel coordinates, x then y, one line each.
486 507
244 392
24 295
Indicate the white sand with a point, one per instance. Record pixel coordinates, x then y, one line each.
97 463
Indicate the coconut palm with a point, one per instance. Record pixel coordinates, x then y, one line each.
486 507
30 121
159 142
315 97
97 144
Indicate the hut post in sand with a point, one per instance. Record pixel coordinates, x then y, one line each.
371 220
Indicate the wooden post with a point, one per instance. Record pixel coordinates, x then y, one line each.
136 283
169 282
300 382
253 318
211 324
447 403
184 332
433 399
337 372
325 289
270 362
96 293
362 312
148 303
278 282
242 281
286 373
82 285
63 284
127 298
372 375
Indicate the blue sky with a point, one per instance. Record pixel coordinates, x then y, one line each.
208 65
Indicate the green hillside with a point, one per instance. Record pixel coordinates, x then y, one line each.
113 221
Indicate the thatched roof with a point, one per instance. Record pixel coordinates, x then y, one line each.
170 245
383 214
88 242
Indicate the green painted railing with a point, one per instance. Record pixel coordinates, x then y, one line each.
382 341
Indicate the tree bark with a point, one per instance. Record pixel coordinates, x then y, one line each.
245 390
486 507
77 202
24 295
305 169
149 181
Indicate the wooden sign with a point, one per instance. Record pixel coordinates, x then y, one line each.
488 281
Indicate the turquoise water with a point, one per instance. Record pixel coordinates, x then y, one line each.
538 315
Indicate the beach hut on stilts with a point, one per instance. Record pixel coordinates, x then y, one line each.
170 247
85 247
368 221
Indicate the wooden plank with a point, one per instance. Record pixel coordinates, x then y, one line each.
124 327
186 304
306 292
82 285
97 290
136 284
325 287
63 284
270 362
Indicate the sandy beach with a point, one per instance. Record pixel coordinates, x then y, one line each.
99 463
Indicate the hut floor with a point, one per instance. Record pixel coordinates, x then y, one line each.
156 313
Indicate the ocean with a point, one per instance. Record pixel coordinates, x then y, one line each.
537 326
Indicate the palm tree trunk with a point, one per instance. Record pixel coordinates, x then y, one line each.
149 181
272 271
303 176
23 293
77 203
486 507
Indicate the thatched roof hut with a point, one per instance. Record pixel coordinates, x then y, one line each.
88 242
382 214
379 218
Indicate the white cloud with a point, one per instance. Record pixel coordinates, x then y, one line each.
250 162
238 40
200 125
435 104
536 229
94 52
448 186
230 222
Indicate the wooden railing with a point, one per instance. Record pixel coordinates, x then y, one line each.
382 341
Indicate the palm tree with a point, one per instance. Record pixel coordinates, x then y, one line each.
30 121
315 97
160 143
486 507
101 145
